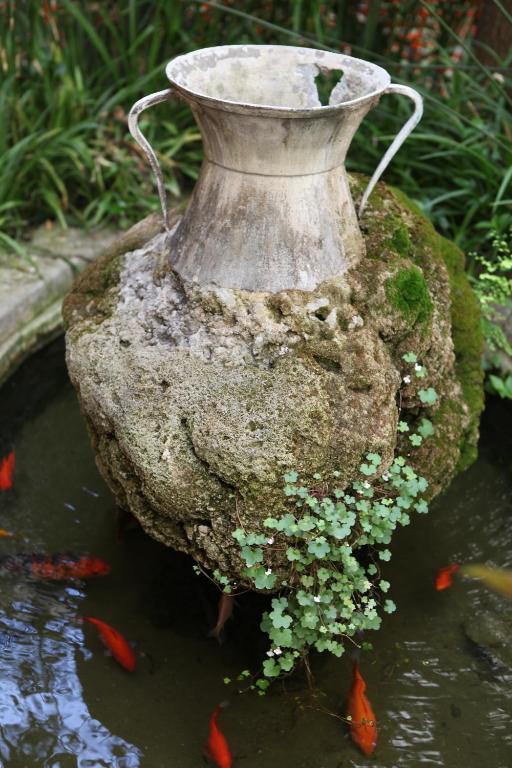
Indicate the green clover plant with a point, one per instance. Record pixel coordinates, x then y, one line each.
334 540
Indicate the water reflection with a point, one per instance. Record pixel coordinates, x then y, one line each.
44 719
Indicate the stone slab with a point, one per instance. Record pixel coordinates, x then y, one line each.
31 300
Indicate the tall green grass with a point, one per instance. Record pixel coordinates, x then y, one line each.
70 70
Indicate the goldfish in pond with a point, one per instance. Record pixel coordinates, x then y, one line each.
57 567
4 534
115 642
225 612
497 579
217 748
444 576
363 723
7 471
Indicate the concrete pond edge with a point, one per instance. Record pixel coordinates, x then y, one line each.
31 296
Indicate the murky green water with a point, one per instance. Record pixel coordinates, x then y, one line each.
439 698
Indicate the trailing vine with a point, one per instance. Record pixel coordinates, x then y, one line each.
334 540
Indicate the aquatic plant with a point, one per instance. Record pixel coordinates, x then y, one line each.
335 540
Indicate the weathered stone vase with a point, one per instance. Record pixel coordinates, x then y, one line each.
272 209
265 329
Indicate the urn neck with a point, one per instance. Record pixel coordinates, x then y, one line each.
277 146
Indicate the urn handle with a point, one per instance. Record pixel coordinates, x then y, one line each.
133 125
399 139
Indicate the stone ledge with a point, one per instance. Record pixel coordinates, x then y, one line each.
30 302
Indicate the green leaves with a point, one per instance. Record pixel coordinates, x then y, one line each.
306 524
319 547
374 461
239 535
304 598
309 619
329 594
263 579
293 554
428 396
276 616
340 531
426 429
252 556
262 685
281 637
410 357
286 523
271 668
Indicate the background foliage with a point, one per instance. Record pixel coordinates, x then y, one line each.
71 69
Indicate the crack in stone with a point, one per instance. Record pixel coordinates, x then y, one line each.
204 462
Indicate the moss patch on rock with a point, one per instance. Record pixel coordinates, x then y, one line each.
408 292
468 344
430 252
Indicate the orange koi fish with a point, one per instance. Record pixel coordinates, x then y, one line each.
59 567
363 723
115 642
444 576
3 533
217 748
225 612
7 471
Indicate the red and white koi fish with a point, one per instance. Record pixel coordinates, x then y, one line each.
217 748
115 642
363 723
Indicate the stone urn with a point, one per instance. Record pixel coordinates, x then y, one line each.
272 209
264 330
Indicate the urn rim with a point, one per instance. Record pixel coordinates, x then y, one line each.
179 69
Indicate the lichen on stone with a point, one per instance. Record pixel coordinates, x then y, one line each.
199 398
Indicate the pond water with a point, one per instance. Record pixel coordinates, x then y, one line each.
441 693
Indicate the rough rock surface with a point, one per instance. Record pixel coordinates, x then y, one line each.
199 399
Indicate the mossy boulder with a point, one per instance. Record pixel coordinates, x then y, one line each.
200 398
